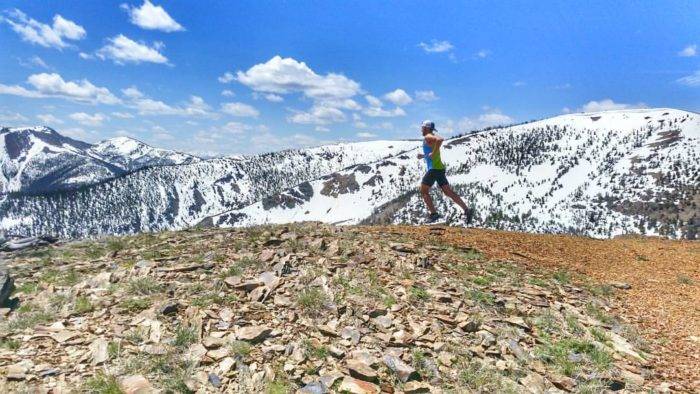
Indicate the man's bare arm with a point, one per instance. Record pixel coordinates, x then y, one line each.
435 141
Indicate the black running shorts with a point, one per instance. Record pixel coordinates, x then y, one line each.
433 176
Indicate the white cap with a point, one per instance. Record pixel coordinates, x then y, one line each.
429 124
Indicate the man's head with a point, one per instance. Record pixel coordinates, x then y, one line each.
427 127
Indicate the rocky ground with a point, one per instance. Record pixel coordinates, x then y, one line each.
312 308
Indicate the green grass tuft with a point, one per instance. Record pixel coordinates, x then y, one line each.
240 348
144 286
565 354
82 305
135 304
102 384
563 277
311 300
418 293
184 336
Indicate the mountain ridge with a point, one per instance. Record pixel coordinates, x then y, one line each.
610 125
38 159
561 175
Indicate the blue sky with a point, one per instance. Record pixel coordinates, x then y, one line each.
224 77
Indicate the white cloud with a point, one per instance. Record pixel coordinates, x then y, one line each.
331 93
53 85
690 80
50 36
152 17
563 86
360 124
436 46
68 29
398 97
132 92
607 105
373 101
122 115
385 126
86 56
322 129
79 133
366 135
349 104
425 95
206 138
148 106
376 109
287 75
482 54
318 115
275 98
10 117
86 119
381 112
34 62
124 133
519 84
227 77
163 136
121 49
49 119
689 51
16 90
227 93
197 107
492 117
235 127
239 109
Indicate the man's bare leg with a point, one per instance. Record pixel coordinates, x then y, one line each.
451 194
425 192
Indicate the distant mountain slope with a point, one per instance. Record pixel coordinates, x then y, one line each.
130 154
599 174
38 159
159 198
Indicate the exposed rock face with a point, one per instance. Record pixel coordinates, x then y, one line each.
290 199
310 307
340 184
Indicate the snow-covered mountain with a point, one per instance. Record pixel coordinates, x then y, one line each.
38 159
170 197
131 154
598 174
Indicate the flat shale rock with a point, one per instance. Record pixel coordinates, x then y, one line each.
135 384
357 386
313 308
253 333
402 370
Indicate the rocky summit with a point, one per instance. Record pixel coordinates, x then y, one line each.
314 308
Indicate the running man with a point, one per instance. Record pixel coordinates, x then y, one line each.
436 173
